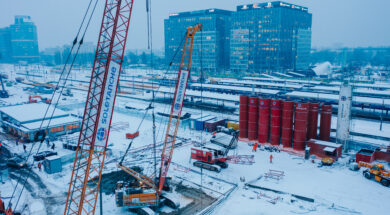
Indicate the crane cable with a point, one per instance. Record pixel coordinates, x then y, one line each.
152 102
201 109
42 132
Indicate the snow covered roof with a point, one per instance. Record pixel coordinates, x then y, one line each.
323 69
30 112
53 123
326 143
335 97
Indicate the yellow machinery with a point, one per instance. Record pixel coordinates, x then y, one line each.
327 161
376 171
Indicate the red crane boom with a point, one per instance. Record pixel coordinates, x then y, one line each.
95 128
177 104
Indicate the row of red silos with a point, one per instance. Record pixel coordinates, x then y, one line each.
285 122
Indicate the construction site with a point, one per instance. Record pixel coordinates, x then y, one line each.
112 140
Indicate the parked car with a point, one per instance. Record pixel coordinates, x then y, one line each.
42 155
16 162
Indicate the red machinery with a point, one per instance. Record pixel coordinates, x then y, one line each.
132 135
92 145
213 157
32 99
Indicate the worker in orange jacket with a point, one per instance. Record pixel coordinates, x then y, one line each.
270 158
254 149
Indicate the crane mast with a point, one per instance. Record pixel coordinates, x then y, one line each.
177 104
91 149
150 194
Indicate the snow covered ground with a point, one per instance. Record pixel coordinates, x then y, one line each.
335 190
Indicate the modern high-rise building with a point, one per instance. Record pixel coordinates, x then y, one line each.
214 38
5 45
270 37
19 41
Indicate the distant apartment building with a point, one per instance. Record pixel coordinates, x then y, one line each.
214 38
269 37
19 41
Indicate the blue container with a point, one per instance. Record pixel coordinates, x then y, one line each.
199 123
52 164
194 118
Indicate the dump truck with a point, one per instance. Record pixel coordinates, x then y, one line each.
376 172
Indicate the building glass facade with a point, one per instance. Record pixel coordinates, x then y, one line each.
19 41
269 37
214 38
5 45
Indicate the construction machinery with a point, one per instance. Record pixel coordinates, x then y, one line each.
3 92
147 192
95 128
213 157
377 172
327 161
32 99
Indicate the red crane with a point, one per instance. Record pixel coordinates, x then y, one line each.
147 193
89 160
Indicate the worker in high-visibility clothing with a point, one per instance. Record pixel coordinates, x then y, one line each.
270 158
254 149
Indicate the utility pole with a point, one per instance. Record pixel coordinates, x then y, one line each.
383 106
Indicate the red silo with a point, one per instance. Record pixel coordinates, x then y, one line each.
313 121
325 123
287 123
264 105
243 121
252 118
300 125
276 111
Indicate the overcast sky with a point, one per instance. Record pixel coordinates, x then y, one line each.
349 23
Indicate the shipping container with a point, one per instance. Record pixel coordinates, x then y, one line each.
199 123
325 149
365 155
193 119
233 125
52 164
211 125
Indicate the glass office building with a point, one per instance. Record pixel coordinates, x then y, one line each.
5 45
269 37
19 41
214 39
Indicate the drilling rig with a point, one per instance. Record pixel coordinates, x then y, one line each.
95 128
148 192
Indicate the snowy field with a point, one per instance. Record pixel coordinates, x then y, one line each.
335 190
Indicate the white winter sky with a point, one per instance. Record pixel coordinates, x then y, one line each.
350 23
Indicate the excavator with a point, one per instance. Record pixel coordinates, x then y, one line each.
376 171
213 157
147 192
